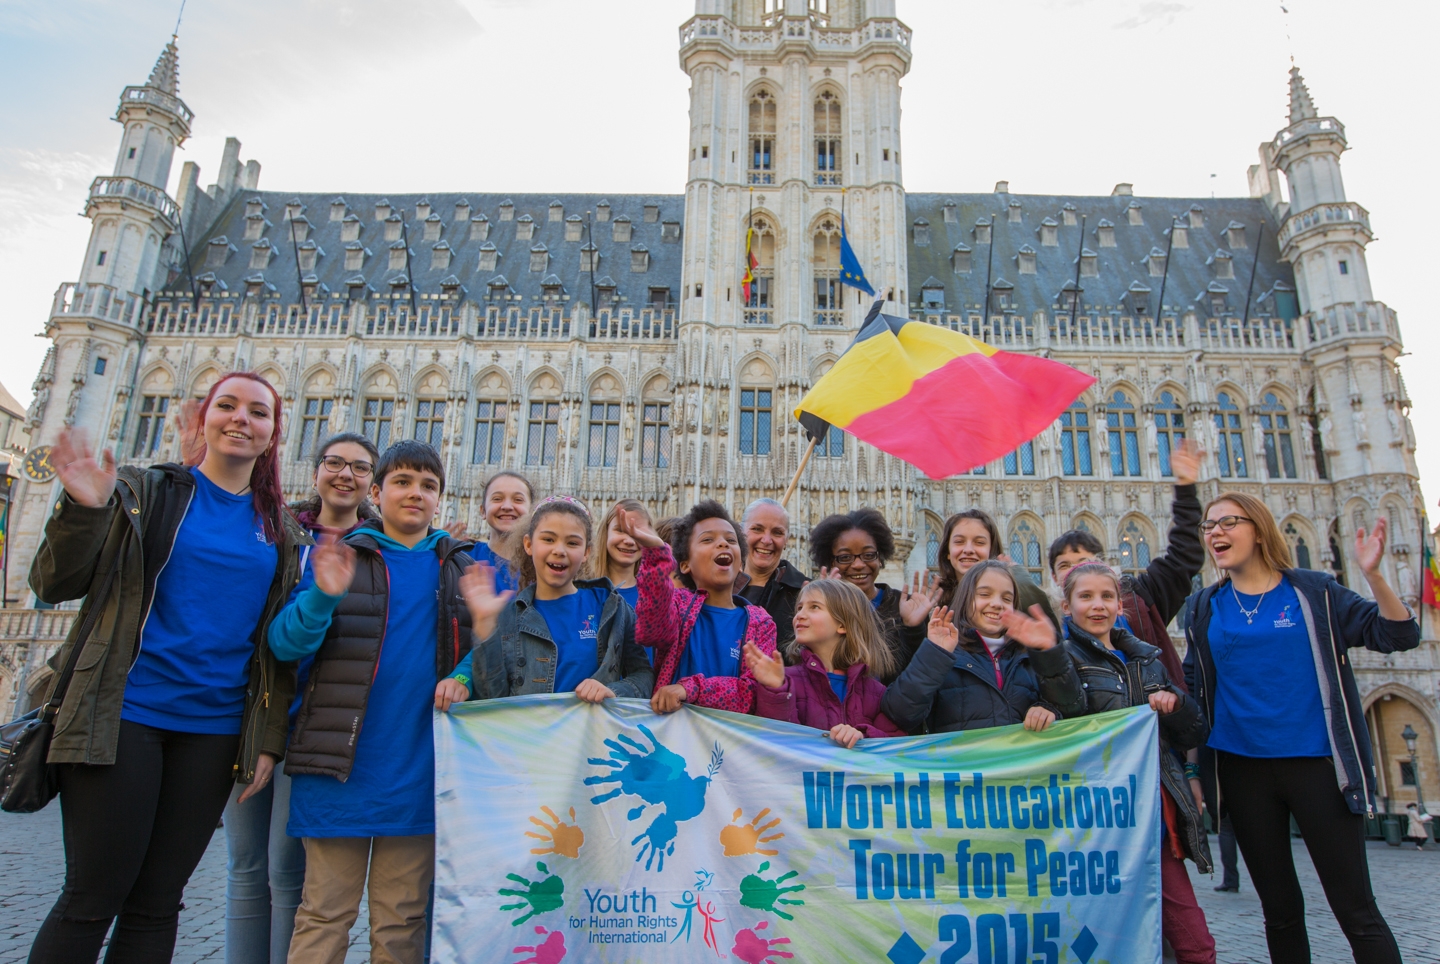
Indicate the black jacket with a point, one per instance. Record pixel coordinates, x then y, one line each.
778 598
943 692
332 713
903 640
1336 619
1110 684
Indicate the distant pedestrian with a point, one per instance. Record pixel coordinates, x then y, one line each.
1415 829
1229 858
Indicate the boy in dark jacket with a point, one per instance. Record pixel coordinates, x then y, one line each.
382 613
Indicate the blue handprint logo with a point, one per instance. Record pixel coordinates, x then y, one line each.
657 775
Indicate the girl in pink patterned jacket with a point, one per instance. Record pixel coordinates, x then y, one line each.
699 629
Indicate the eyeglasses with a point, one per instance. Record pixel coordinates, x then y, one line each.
845 558
358 467
1224 523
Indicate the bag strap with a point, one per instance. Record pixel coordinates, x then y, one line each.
97 602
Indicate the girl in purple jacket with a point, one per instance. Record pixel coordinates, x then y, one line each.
840 653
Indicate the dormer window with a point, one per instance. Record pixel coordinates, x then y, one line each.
393 227
299 228
589 256
574 228
218 252
337 209
670 232
383 210
602 211
355 255
1106 233
1067 214
308 253
1223 263
1219 297
433 226
932 296
479 228
1049 233
350 228
652 213
398 255
659 297
293 208
1002 296
1069 298
489 256
952 213
260 253
921 233
499 288
440 256
1180 235
960 258
255 225
1026 259
1197 216
422 209
607 291
551 288
982 231
639 259
525 228
1089 263
557 211
1139 298
1132 214
507 210
1016 210
1235 235
539 258
622 229
1155 262
253 207
462 211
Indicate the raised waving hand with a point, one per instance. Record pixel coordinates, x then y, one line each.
333 564
88 476
769 671
484 601
1034 631
942 631
635 526
917 599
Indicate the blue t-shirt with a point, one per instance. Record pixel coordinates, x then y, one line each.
715 642
198 640
573 621
391 789
631 595
504 577
838 683
1267 696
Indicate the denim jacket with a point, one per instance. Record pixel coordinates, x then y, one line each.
520 656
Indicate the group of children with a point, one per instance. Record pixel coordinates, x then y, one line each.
555 603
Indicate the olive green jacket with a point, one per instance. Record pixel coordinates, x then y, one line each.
134 534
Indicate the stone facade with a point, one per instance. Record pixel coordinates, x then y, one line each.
604 345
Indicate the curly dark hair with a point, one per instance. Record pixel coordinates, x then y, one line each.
685 527
949 578
830 528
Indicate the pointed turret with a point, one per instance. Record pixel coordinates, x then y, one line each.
166 75
1301 106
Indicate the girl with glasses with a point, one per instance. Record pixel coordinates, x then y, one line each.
1267 663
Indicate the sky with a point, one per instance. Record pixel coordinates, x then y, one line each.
1055 96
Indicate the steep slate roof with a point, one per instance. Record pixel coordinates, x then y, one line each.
1190 276
514 263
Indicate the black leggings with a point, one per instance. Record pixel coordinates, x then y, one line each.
134 833
1260 796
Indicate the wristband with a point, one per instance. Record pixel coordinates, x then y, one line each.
465 680
1192 771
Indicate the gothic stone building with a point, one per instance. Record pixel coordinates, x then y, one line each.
602 345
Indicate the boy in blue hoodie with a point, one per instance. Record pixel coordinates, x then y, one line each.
382 613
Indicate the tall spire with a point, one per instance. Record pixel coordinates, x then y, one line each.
1301 106
166 75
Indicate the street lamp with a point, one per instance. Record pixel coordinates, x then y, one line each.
1409 736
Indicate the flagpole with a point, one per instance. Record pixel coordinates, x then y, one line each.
1159 308
1079 260
1254 264
989 274
804 461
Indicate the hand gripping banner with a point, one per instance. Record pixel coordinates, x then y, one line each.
568 832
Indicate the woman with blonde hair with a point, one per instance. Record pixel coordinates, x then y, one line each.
615 555
1266 661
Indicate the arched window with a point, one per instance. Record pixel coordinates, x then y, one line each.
1169 429
1124 436
1022 460
756 411
762 138
1298 546
490 415
762 248
1025 549
604 434
1279 449
430 410
826 268
832 446
1134 548
828 146
655 425
1075 440
1230 440
932 547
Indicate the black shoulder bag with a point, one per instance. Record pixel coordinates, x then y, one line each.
27 781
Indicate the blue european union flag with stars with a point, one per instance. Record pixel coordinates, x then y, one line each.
850 271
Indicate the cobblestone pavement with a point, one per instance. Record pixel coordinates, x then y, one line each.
1407 882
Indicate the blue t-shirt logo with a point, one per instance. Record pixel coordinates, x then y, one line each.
1284 622
587 628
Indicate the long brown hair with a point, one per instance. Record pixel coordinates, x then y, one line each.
949 578
600 547
1271 545
265 490
520 560
964 599
863 640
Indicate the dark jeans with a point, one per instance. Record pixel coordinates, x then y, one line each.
134 832
1260 796
1229 858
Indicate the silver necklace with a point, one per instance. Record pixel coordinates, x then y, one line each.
1249 614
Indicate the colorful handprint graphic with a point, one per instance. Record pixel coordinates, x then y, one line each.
549 951
742 839
760 894
537 897
751 948
657 775
564 839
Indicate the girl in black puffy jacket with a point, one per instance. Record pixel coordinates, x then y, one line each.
1118 670
983 664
